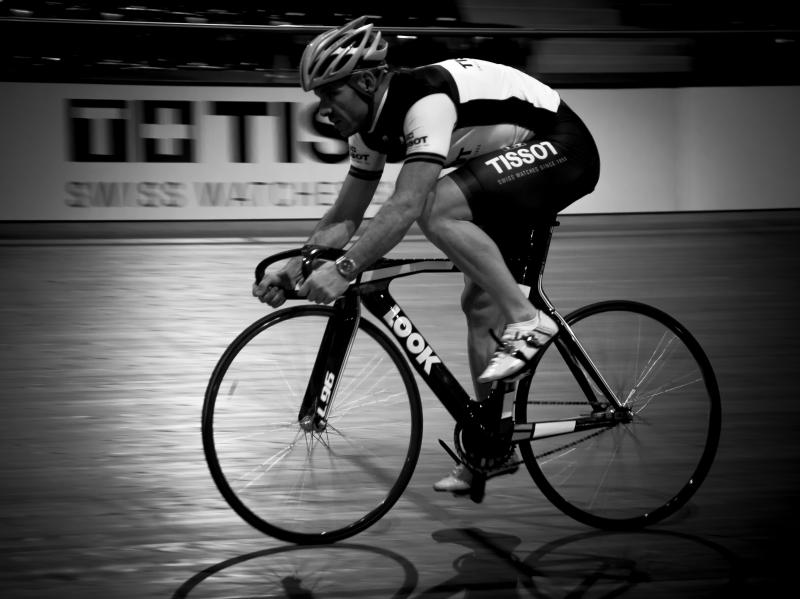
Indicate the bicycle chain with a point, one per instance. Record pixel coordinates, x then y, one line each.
571 444
556 403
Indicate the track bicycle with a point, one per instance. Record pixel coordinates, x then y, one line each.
312 420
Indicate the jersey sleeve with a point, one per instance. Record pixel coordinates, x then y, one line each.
428 127
365 163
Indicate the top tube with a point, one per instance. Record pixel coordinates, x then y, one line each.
527 269
381 269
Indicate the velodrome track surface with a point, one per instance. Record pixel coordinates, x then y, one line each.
108 343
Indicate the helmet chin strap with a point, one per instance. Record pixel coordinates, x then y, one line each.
368 97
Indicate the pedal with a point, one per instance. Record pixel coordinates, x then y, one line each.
509 469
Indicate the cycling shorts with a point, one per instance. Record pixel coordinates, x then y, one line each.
510 189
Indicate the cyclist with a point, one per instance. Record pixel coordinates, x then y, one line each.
517 153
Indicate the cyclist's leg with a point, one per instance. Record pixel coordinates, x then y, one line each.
447 221
482 314
507 191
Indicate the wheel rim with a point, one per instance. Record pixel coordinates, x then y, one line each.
641 471
296 484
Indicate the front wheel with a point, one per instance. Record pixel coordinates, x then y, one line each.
299 483
654 458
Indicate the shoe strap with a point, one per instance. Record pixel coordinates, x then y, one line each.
531 340
504 345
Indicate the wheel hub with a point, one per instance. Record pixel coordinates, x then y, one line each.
309 424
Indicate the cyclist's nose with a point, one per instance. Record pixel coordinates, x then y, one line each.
324 110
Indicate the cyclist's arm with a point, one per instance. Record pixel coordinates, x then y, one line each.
388 227
341 221
427 127
334 229
338 225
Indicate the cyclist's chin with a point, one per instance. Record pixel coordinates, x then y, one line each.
346 128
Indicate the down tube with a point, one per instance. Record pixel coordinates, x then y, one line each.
419 353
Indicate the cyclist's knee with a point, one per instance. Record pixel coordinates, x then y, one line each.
444 207
430 221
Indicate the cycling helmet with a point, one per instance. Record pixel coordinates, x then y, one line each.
338 53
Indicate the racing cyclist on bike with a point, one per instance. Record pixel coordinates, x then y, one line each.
518 153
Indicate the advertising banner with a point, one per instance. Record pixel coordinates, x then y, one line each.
120 152
82 152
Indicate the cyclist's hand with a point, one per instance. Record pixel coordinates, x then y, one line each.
270 289
324 285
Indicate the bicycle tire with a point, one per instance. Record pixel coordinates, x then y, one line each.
637 473
310 487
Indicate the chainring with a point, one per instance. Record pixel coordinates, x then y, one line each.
480 450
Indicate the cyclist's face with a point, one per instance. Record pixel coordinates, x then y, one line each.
343 107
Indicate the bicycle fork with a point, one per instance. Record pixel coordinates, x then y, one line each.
331 358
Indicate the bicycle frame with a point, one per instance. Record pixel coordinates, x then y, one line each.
287 474
371 289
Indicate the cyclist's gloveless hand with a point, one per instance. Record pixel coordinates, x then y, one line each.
324 285
270 289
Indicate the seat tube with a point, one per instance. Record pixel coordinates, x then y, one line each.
528 269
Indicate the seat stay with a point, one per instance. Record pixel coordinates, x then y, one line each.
581 365
530 274
568 355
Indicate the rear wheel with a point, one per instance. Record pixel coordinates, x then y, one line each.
653 460
301 485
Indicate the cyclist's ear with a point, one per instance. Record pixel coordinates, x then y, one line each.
365 81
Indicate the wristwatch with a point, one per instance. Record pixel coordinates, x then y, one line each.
347 268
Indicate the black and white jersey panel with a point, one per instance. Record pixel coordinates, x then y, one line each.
451 111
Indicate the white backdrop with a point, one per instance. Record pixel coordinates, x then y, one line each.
123 152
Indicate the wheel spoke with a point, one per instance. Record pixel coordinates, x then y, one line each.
638 470
285 477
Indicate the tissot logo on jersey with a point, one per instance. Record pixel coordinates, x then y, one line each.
412 141
356 155
414 342
514 159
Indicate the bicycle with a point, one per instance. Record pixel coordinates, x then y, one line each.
293 418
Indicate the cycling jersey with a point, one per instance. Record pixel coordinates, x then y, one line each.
451 111
520 153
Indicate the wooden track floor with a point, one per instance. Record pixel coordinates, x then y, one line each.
107 346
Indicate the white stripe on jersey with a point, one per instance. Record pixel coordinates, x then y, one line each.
428 125
482 80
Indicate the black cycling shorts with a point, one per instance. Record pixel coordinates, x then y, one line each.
510 189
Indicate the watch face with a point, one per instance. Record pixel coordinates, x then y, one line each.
346 267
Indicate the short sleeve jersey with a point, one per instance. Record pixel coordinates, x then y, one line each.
449 112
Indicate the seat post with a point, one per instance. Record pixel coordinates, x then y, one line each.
528 270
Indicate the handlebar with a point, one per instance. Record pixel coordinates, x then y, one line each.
311 255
